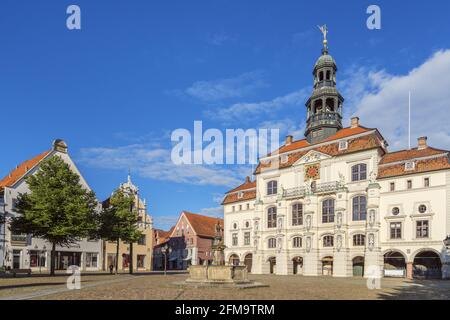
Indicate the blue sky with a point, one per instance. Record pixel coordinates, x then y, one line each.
137 70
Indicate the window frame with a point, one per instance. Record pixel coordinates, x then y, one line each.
328 241
359 240
330 211
296 214
359 174
361 214
272 217
272 187
398 230
297 242
272 243
419 233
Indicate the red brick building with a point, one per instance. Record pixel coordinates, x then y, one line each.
190 242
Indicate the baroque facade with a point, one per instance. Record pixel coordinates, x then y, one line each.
21 251
143 249
339 203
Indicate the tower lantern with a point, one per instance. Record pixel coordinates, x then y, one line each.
324 107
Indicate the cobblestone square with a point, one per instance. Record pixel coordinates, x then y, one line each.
151 286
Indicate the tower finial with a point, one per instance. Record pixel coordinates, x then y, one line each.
324 30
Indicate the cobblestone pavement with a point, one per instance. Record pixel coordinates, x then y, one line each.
158 286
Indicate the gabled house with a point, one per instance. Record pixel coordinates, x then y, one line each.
19 251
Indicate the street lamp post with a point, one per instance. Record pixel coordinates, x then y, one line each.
166 250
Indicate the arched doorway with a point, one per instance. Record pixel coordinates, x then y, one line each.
248 260
272 264
327 266
234 260
427 265
358 266
297 265
394 264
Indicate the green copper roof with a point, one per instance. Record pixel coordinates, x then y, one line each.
324 60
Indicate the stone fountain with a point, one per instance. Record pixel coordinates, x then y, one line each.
219 273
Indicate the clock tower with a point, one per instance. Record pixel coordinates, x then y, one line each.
324 107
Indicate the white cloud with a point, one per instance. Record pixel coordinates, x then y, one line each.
244 111
157 164
237 87
216 212
380 100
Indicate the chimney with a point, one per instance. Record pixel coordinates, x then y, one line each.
60 145
289 140
247 179
422 143
355 122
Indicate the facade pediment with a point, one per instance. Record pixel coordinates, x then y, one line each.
312 157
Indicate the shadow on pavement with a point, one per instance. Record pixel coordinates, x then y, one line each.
419 290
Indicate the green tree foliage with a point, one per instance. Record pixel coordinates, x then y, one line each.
118 221
57 208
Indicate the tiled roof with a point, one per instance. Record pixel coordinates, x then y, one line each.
245 191
425 160
248 184
234 197
343 133
361 143
414 153
21 170
203 225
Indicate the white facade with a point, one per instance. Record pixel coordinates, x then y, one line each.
24 252
339 203
309 256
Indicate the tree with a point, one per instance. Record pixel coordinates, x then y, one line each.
119 222
57 208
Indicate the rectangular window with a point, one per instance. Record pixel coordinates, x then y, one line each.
248 206
140 261
409 184
426 182
392 186
234 239
422 229
232 208
142 240
396 230
240 207
91 260
37 258
246 238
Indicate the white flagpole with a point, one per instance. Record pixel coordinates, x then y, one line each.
409 120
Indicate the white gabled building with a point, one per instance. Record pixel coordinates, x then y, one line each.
339 203
19 251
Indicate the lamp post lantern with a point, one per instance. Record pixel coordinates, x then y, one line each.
166 250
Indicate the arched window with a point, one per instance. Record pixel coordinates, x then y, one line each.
359 240
297 242
272 217
328 241
297 214
272 187
359 172
328 77
359 208
321 76
328 211
272 243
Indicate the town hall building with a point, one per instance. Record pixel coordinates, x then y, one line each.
339 202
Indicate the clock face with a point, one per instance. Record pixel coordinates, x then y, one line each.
312 172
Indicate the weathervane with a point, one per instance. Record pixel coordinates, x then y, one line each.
324 31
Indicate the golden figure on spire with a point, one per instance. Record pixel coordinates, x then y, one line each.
324 31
